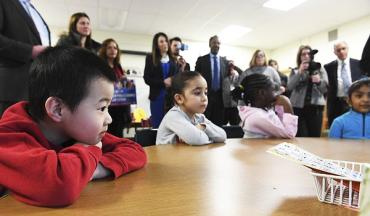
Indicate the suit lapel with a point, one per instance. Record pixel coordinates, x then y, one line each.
173 68
208 64
46 25
355 74
27 18
208 69
335 75
222 68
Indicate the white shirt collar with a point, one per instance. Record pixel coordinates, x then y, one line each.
165 59
212 55
346 61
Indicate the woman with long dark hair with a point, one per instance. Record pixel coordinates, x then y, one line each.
159 69
79 33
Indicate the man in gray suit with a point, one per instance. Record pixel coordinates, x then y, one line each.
23 36
214 69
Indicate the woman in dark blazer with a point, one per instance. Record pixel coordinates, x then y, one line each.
159 69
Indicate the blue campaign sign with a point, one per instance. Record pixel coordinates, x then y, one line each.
124 94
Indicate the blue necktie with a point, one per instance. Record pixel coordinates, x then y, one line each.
216 75
345 78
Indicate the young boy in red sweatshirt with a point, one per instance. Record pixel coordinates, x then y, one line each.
53 145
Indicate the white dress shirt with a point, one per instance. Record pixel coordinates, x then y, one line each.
38 21
340 89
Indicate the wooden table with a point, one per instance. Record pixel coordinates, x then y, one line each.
236 178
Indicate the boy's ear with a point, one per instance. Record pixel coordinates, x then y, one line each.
179 99
349 102
53 108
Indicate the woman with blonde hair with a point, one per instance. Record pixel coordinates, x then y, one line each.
258 65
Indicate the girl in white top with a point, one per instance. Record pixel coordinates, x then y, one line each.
185 121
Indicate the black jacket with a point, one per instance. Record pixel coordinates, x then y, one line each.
153 76
18 34
203 66
365 59
74 39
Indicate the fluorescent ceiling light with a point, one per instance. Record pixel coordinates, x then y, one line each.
283 5
233 32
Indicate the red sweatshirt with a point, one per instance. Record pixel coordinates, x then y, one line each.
36 173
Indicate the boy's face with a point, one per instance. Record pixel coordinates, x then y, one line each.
360 99
89 121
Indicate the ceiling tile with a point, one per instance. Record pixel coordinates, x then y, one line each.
197 20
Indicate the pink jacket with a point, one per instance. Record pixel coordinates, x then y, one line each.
259 123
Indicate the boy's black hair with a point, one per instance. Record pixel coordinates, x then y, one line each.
358 84
250 87
66 73
180 80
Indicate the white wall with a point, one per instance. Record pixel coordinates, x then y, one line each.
136 42
355 33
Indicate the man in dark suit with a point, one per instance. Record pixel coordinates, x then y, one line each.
214 69
341 73
23 35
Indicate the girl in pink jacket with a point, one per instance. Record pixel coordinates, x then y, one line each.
260 119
